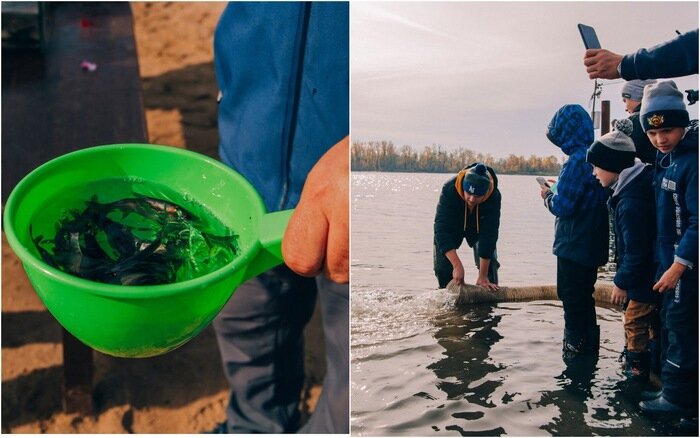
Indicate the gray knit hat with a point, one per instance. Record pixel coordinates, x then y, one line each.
613 152
635 89
663 107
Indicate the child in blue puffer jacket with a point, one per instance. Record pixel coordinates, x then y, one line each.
581 230
665 119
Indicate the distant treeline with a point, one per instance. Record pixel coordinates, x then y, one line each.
385 157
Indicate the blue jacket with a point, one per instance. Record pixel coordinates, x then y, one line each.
676 184
634 211
581 226
283 72
678 57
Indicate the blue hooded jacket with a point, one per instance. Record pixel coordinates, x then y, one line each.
581 226
283 72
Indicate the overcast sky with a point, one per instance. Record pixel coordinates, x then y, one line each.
489 76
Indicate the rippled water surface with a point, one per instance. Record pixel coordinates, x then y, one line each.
421 366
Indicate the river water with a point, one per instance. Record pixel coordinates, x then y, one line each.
421 366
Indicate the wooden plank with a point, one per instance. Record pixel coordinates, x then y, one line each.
50 107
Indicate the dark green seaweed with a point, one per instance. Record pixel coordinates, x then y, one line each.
135 241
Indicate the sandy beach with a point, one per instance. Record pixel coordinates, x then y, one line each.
183 391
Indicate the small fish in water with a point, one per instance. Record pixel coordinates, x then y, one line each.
135 241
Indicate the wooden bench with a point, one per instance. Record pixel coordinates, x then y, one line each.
51 106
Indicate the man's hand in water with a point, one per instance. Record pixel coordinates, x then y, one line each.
484 282
458 274
483 278
317 237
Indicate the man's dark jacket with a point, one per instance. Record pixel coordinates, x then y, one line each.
453 221
677 57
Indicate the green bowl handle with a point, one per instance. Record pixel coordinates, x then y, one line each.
272 227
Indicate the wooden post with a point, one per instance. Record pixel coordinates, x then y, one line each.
604 117
77 375
51 108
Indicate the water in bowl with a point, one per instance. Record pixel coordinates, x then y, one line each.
129 231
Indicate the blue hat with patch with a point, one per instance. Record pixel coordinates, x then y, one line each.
476 181
663 107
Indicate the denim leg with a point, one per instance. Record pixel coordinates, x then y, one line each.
260 332
333 407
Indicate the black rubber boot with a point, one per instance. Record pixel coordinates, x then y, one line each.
650 395
592 342
661 405
573 345
637 365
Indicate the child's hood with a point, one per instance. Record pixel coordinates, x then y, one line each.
571 128
630 177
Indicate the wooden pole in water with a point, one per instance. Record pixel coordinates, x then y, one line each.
604 117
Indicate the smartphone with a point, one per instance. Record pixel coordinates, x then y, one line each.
590 39
543 182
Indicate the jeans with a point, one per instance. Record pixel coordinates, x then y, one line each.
260 333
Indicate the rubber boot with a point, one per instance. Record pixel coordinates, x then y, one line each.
637 365
661 405
573 344
650 395
592 342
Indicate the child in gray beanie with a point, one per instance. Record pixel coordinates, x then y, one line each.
665 118
632 93
633 210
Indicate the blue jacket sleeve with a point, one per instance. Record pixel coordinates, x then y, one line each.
634 231
677 57
569 187
688 246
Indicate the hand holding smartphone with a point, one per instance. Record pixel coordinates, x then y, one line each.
543 182
590 39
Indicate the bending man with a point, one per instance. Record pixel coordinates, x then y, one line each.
469 208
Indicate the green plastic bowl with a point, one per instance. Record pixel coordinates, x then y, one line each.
141 321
